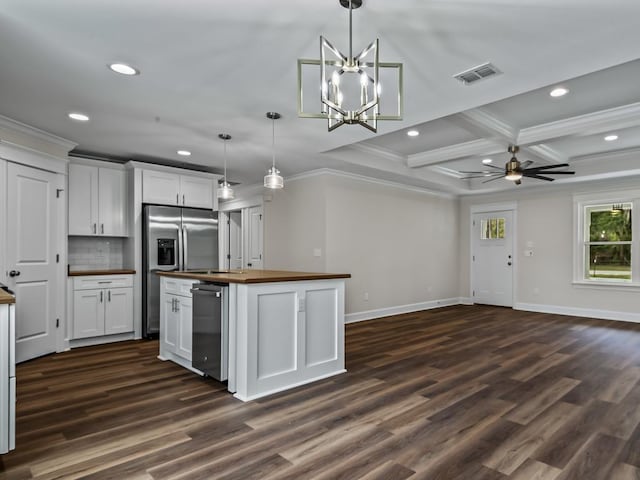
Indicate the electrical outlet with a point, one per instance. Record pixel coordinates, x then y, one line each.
528 253
317 252
366 296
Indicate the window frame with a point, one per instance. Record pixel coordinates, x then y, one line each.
581 242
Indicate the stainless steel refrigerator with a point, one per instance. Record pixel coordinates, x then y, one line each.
174 239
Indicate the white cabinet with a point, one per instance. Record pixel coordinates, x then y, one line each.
172 189
97 201
7 378
176 317
102 305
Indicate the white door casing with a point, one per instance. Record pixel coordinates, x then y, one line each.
32 237
235 239
252 229
492 259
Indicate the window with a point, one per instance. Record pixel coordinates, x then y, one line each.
492 229
608 240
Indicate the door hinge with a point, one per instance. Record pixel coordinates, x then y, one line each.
474 223
57 323
260 216
474 293
57 258
474 258
260 256
59 191
228 256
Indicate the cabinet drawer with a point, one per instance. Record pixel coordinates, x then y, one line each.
177 286
102 281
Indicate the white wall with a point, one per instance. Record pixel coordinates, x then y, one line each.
544 281
398 244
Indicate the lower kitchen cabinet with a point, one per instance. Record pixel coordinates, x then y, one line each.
176 317
102 305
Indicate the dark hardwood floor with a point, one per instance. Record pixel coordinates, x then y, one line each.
465 392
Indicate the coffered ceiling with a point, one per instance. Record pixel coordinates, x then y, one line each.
209 67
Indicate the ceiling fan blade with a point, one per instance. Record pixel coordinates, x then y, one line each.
493 166
539 177
563 172
494 178
547 167
476 172
483 176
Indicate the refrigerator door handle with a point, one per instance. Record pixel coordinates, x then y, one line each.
180 250
185 251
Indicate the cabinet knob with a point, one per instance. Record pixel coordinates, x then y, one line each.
14 273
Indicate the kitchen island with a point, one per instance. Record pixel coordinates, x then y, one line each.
285 329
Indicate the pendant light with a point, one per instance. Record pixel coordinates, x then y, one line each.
273 179
225 192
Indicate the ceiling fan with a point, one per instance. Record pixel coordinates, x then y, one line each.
514 170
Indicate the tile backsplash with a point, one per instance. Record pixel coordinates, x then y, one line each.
91 253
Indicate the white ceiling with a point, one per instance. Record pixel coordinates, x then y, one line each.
210 66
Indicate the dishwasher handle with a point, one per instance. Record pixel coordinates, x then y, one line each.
200 291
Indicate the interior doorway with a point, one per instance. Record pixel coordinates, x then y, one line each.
492 257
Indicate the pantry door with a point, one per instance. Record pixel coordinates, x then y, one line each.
32 223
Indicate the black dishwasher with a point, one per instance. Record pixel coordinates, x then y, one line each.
210 341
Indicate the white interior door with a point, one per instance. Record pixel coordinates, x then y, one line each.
492 258
32 223
235 239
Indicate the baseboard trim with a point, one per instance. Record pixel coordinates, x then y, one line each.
579 312
413 307
89 342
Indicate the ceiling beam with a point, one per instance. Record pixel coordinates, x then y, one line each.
589 124
479 147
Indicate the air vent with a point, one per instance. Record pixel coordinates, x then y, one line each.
477 73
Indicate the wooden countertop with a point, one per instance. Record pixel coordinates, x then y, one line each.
85 273
5 298
252 276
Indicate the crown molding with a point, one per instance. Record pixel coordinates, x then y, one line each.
15 126
588 124
364 178
478 147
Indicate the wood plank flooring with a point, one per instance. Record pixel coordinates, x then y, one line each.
465 392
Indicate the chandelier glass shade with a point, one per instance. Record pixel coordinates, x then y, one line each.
350 85
273 179
225 192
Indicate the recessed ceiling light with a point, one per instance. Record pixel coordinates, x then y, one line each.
124 69
80 117
184 153
559 92
413 133
611 138
487 161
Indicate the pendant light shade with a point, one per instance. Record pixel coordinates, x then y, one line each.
273 179
225 192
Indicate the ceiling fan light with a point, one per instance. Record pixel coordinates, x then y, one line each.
513 175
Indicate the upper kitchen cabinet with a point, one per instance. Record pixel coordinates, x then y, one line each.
167 188
97 201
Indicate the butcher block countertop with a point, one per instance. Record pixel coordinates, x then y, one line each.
252 276
5 298
85 273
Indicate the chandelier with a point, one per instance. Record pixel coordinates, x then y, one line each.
350 86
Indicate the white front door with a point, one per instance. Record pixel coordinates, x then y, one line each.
32 223
492 258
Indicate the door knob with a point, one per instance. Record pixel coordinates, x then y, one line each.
509 263
14 273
